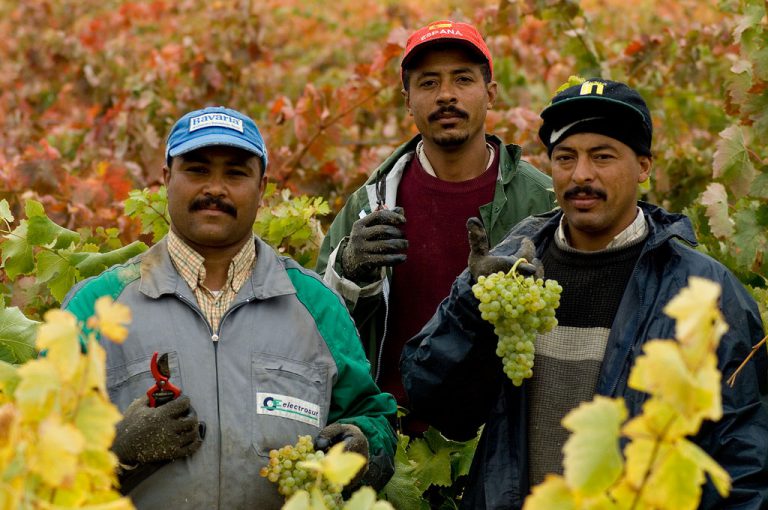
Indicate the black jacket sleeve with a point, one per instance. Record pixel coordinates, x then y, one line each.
450 369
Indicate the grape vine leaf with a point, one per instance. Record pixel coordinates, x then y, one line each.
749 241
5 211
55 269
430 467
55 336
403 490
694 396
17 336
732 162
552 493
96 418
42 231
592 457
18 257
92 264
715 198
38 389
55 457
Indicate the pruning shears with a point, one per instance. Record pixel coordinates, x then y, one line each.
163 390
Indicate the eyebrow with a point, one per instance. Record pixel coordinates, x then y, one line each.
596 148
459 70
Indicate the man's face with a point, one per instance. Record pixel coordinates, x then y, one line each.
595 179
213 196
448 97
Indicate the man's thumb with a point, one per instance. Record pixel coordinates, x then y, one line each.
478 238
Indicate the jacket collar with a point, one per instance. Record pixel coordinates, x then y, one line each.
268 278
508 159
663 226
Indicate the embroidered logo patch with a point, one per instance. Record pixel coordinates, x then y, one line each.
215 119
288 407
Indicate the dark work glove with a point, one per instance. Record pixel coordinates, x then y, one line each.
153 434
482 264
374 241
354 441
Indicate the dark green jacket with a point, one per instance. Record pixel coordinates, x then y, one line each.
521 191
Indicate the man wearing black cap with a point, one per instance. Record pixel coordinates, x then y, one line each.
451 171
262 350
619 262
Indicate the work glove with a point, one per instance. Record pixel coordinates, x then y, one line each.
374 241
154 434
354 441
482 264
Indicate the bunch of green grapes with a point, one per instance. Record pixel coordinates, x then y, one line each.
519 308
283 469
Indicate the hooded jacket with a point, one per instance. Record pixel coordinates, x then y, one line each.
454 380
521 190
285 361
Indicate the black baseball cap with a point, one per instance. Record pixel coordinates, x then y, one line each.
600 106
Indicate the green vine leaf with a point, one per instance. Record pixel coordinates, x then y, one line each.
732 162
17 336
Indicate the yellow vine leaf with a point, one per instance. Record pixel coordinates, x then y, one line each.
9 379
659 419
719 476
9 432
57 337
553 492
299 501
96 419
96 366
54 456
337 465
111 319
593 459
38 390
676 482
699 323
693 395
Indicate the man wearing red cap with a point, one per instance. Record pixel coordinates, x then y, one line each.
451 171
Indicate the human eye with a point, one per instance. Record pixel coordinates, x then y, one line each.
196 169
427 83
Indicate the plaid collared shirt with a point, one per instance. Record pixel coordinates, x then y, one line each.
190 266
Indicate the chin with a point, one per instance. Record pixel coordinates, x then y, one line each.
451 140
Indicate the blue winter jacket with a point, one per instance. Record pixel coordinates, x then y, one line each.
454 380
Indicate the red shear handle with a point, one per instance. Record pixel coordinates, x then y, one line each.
163 390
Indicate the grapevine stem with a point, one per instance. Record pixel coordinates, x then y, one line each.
732 379
652 461
513 270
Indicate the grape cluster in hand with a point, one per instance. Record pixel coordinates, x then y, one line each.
283 469
519 308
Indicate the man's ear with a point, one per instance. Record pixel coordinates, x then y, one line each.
646 163
407 98
166 175
493 91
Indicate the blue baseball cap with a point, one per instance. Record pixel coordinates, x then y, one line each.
215 125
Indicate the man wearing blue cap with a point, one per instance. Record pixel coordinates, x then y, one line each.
261 347
619 262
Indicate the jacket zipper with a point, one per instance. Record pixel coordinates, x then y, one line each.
215 339
383 338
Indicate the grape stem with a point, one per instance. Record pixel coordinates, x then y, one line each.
732 380
513 270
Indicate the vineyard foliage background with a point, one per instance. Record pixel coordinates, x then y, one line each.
89 89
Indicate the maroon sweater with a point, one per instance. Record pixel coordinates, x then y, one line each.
436 215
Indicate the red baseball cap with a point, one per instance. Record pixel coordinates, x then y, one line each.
446 30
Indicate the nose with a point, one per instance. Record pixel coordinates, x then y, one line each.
214 185
447 93
583 172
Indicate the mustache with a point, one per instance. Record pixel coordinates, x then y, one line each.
589 191
447 110
210 202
